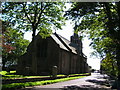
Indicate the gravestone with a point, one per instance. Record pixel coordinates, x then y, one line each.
54 72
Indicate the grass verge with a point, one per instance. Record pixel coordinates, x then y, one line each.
14 86
12 75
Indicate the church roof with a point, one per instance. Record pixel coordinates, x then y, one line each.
58 42
64 43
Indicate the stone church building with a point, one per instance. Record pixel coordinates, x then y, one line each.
43 54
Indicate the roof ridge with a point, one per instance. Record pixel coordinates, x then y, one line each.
62 42
63 37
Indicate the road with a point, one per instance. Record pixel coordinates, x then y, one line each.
94 82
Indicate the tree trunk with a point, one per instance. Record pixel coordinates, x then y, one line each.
34 60
3 64
34 32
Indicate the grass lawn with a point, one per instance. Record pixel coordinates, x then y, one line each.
11 75
13 86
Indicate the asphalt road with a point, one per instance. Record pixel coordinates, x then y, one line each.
94 82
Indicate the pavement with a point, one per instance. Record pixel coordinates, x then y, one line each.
96 81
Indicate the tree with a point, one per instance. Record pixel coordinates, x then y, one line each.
108 65
41 16
13 45
102 22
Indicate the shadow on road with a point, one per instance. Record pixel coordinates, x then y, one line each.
74 87
99 82
83 87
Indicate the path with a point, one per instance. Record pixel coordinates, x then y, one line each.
94 82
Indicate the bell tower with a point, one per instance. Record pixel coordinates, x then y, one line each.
75 39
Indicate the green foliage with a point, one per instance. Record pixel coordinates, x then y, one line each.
12 75
14 45
12 72
32 16
3 72
91 19
6 73
109 65
45 32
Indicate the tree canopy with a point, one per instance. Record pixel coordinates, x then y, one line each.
101 21
32 16
13 45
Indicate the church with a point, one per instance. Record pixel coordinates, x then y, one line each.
44 53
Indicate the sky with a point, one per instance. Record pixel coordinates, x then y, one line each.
66 32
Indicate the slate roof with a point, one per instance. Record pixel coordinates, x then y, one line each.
64 43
